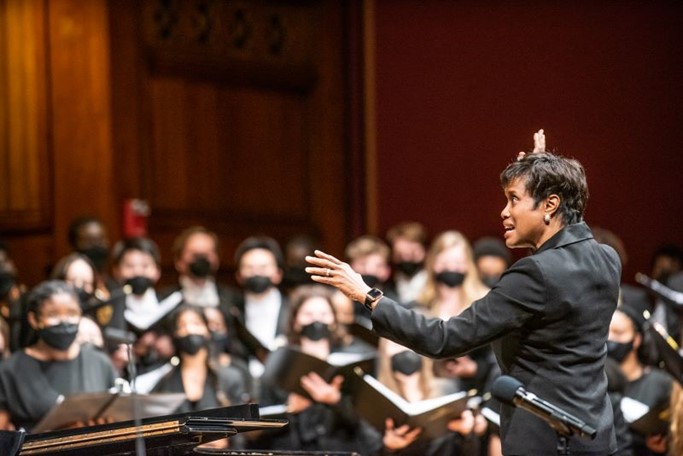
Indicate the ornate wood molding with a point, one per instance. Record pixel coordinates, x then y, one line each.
259 43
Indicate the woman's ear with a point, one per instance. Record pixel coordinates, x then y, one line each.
552 204
32 320
637 340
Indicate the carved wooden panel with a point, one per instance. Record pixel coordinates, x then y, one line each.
251 42
24 179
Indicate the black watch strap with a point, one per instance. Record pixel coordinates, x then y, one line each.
372 297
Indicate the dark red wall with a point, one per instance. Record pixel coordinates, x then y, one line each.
461 87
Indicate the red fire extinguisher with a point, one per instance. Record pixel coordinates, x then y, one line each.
135 214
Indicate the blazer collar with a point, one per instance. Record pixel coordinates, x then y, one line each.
567 235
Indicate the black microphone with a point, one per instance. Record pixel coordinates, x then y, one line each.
510 391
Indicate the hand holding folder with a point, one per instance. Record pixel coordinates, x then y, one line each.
375 403
287 365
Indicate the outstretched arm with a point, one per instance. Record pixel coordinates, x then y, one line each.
518 296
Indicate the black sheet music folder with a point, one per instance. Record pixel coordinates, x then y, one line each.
171 435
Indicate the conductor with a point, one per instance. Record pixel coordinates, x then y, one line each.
548 317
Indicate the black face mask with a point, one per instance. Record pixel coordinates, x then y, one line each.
200 267
139 284
409 268
316 331
490 281
257 284
663 277
371 280
451 279
98 254
7 281
60 337
190 344
406 362
84 299
150 358
618 351
220 343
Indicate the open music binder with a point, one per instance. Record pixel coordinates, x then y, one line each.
286 365
172 435
375 402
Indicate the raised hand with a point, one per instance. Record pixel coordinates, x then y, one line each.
539 141
539 144
331 271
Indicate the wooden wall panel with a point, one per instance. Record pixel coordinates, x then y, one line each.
222 149
55 126
240 115
23 117
84 164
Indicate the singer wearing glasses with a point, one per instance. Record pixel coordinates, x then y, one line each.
33 379
547 318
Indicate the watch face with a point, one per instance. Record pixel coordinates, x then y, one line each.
374 294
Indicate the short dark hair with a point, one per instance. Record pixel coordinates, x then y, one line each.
141 244
490 246
180 242
260 242
545 174
79 223
45 290
170 323
668 250
62 267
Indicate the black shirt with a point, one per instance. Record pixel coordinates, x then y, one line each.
29 388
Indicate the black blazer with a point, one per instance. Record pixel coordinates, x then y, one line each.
547 320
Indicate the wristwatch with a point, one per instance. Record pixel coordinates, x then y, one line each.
372 297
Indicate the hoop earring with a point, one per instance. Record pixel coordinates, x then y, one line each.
546 219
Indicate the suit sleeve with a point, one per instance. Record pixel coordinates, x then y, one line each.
518 297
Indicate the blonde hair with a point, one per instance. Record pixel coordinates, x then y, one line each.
413 231
473 287
386 375
367 245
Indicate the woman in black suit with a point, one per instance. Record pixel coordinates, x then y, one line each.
547 318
